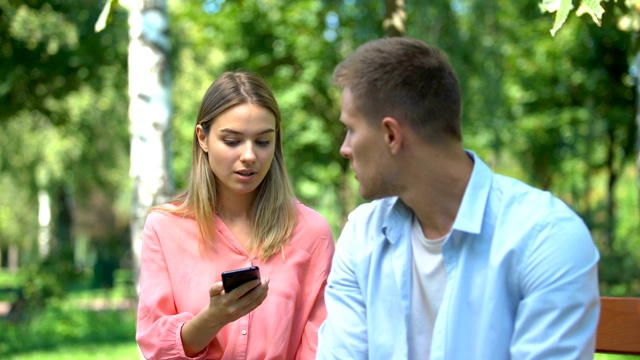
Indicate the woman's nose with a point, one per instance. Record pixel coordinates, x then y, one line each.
248 154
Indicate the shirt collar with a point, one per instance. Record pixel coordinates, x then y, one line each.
474 202
399 218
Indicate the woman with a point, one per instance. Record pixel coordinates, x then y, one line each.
239 210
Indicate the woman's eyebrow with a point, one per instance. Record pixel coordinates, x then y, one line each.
235 132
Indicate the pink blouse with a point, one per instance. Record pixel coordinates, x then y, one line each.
176 274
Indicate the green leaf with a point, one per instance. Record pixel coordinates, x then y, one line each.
105 16
562 13
593 8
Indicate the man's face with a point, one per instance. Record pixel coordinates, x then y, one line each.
365 147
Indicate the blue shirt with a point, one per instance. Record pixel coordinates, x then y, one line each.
522 279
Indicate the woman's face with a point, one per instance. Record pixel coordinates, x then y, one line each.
241 146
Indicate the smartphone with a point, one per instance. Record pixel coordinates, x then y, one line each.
233 278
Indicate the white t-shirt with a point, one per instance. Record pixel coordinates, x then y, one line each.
427 288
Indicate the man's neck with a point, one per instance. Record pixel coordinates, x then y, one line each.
434 192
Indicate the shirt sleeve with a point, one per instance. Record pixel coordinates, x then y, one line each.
343 335
158 325
558 315
322 258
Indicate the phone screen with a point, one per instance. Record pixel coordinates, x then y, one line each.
233 278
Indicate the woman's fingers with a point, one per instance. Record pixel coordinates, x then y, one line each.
239 302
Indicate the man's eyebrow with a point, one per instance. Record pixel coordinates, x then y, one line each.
234 132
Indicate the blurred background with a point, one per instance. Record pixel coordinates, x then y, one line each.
98 100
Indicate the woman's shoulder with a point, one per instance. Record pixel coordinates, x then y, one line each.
312 231
165 213
309 217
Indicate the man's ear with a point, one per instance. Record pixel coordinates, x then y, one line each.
393 134
202 138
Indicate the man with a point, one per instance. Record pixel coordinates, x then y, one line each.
449 261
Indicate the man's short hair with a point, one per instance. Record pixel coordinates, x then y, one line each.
406 79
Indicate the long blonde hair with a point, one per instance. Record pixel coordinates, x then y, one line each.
273 211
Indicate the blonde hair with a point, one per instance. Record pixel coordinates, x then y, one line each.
273 211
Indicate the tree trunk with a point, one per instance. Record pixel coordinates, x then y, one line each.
611 184
63 223
44 221
150 114
13 258
637 60
395 18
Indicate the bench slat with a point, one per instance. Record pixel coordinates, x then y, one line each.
619 326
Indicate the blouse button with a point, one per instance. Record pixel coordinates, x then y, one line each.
244 332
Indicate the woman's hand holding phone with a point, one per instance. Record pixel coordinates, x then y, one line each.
223 308
231 306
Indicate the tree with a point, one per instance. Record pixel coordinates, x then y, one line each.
150 110
394 23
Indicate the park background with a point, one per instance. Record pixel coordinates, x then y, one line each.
98 101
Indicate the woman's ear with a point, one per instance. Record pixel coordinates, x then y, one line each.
393 135
202 138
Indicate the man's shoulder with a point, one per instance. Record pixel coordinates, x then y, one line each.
518 193
374 210
367 222
526 204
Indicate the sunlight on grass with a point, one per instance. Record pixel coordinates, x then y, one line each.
616 357
112 351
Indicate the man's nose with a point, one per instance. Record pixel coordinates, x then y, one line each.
345 149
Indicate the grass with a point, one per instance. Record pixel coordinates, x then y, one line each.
99 351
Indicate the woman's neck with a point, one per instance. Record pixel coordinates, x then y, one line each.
234 207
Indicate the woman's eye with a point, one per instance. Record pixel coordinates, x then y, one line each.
231 142
263 142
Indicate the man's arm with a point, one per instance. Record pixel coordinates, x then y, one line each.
558 315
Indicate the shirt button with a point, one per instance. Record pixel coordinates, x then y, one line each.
244 332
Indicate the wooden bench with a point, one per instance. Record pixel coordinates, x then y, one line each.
619 326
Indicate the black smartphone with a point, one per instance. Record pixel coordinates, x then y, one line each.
233 278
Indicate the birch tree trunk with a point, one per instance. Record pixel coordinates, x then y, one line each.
150 114
44 221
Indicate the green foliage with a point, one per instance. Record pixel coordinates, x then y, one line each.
44 282
57 48
64 324
562 8
64 121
